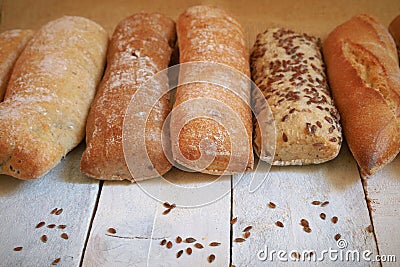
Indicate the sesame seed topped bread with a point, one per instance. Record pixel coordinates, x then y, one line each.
12 43
48 97
140 47
364 74
288 68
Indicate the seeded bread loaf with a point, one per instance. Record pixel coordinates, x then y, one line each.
205 143
140 47
12 43
48 97
288 68
364 75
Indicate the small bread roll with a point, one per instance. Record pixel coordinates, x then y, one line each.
288 68
12 43
205 143
54 80
140 47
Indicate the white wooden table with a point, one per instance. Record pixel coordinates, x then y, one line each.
119 224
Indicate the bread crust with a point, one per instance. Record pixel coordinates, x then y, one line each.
140 47
12 43
48 97
209 34
364 76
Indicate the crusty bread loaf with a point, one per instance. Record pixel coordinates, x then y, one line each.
12 43
209 34
48 97
364 75
288 68
140 47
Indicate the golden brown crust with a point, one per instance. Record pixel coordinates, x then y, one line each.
48 97
365 80
210 34
140 47
12 43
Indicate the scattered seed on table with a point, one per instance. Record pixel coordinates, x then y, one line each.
279 224
169 244
271 205
248 228
58 212
18 248
165 212
369 228
239 240
307 229
43 238
173 206
334 219
64 236
41 224
62 226
167 205
338 236
296 254
234 220
112 231
190 240
304 223
163 242
56 261
211 258
198 245
189 251
316 202
53 211
246 234
178 239
323 204
322 216
180 252
51 226
214 244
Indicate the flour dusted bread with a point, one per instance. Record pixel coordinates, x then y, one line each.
204 143
48 97
12 43
288 68
140 47
364 75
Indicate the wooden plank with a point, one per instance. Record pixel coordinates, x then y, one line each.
140 224
24 204
382 190
292 190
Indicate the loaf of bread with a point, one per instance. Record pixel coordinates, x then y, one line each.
48 97
364 76
206 141
140 47
287 68
12 43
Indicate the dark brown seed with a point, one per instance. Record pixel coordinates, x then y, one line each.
337 237
173 206
180 252
43 238
334 219
271 205
165 212
112 231
296 254
51 226
284 137
58 212
163 242
41 224
167 205
369 229
234 220
190 240
169 244
214 244
307 229
304 223
239 240
62 226
189 251
246 235
323 204
198 245
56 261
211 258
316 202
279 224
178 239
285 118
322 216
53 211
64 236
18 248
248 228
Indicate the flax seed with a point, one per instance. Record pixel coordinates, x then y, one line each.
180 252
64 236
18 248
214 244
112 231
41 224
211 258
189 251
248 228
271 205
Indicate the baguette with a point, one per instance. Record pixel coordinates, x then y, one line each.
12 43
140 47
288 69
212 35
364 75
48 97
